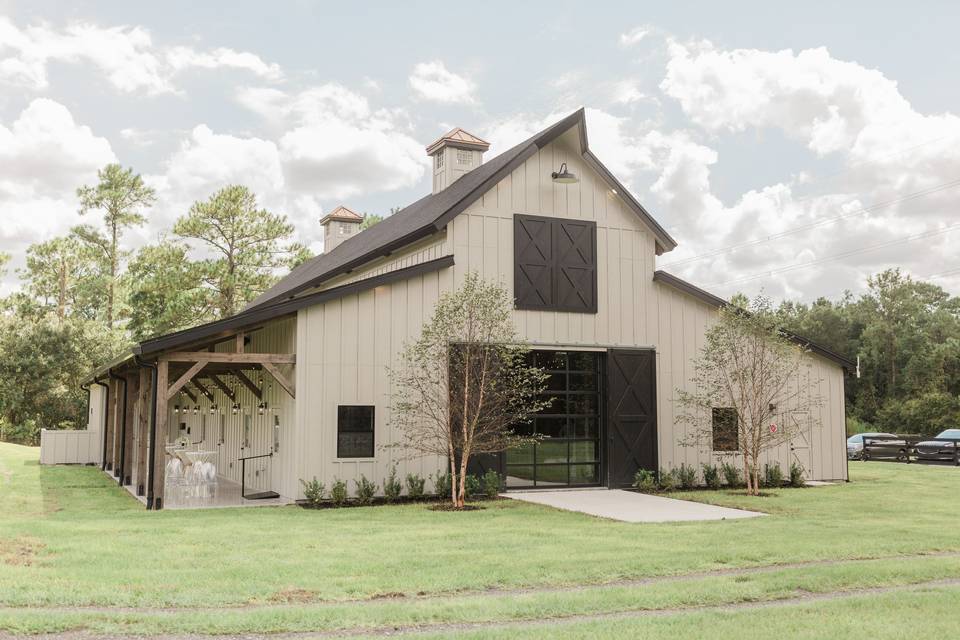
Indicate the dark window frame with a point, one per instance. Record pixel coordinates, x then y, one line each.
558 270
727 443
341 431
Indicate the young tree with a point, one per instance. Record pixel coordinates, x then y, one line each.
370 219
4 259
466 382
248 246
748 365
166 291
121 195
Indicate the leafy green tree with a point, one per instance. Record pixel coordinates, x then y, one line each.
121 195
60 273
248 245
41 366
4 260
166 291
464 385
370 219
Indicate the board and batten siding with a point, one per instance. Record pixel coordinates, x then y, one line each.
344 346
276 337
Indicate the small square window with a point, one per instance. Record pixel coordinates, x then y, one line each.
725 423
464 157
439 160
354 431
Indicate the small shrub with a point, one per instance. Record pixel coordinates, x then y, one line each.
491 484
772 475
392 488
669 480
441 486
731 474
313 491
415 485
711 476
365 490
338 492
797 478
471 486
645 480
687 475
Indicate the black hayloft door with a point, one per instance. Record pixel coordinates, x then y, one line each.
631 414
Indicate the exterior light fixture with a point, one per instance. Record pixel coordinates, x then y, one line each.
213 409
261 408
176 409
564 176
196 409
236 408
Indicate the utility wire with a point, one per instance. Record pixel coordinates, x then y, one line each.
819 223
837 256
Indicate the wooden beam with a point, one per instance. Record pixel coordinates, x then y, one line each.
246 358
227 391
254 389
202 389
143 427
281 379
240 339
184 379
160 455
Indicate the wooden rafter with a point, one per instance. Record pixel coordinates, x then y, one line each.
239 358
254 389
220 384
184 379
202 389
281 379
241 337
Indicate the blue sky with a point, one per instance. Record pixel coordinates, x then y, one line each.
769 127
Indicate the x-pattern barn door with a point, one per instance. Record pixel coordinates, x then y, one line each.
631 414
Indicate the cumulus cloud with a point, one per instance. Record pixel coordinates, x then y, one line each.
126 55
432 81
634 36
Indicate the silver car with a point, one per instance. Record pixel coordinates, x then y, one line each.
942 450
886 445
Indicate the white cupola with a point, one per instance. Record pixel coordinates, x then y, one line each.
454 155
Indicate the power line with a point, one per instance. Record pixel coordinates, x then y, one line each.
819 223
837 256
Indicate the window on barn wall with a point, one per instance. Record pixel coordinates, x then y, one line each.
555 264
464 157
439 160
725 430
354 431
247 425
222 437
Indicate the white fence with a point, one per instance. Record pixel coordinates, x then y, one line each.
77 446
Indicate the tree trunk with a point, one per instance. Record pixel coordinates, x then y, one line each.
453 479
62 293
113 274
462 493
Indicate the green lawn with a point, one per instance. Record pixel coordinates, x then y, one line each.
70 538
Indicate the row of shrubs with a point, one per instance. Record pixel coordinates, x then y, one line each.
485 486
714 477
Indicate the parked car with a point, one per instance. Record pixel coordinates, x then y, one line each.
939 449
887 445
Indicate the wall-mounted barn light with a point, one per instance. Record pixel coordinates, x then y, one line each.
261 408
564 176
196 409
176 409
236 408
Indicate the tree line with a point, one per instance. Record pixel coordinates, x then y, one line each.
86 296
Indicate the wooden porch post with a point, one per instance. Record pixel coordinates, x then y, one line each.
160 455
133 384
143 430
117 424
111 419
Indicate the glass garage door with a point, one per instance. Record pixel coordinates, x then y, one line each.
568 453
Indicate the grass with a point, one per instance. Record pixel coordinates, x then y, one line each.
70 538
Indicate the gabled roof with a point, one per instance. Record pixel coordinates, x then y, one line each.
705 296
342 214
430 214
459 138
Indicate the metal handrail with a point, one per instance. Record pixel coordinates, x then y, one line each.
243 471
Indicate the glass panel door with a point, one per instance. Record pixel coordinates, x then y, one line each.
568 453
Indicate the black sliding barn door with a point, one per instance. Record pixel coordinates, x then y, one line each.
631 414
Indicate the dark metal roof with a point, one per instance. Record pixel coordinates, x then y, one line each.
705 296
431 214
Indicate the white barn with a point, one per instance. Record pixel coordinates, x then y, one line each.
296 386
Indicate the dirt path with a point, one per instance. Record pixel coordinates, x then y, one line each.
636 582
400 630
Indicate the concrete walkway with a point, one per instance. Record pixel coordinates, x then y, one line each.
628 506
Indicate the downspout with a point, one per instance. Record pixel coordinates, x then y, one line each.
103 459
118 470
86 417
153 428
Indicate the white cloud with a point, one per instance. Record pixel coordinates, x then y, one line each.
432 81
634 36
126 55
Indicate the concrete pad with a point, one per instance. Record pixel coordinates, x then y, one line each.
629 506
